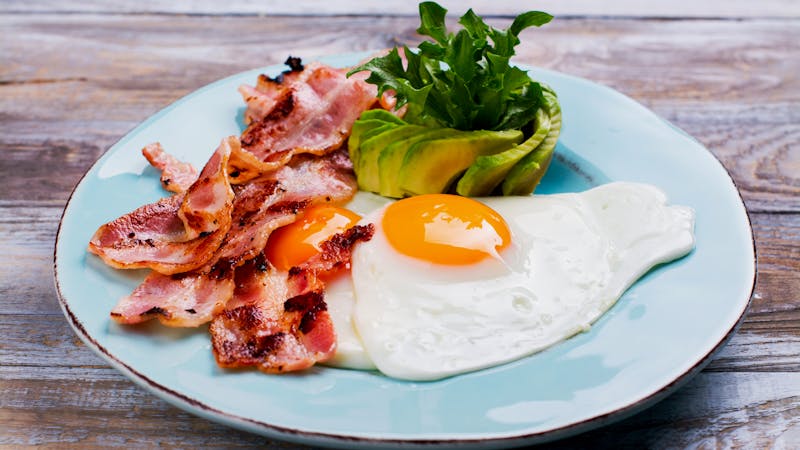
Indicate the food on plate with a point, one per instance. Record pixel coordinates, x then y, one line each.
277 320
462 82
502 278
177 233
176 176
275 248
260 206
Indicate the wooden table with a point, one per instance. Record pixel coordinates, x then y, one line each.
75 76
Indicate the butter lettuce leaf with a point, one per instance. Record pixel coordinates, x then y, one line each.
462 80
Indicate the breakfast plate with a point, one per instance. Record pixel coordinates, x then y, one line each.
662 331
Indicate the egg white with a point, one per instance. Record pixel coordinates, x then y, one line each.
571 258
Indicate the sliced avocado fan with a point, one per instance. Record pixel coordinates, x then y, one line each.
526 174
371 149
487 172
430 167
391 159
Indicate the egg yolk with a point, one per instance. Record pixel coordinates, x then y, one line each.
293 244
445 229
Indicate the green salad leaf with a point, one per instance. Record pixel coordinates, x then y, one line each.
462 80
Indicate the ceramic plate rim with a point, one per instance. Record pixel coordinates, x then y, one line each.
315 437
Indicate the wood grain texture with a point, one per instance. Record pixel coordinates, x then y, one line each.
72 84
609 8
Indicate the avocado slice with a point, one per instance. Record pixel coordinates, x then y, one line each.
431 166
381 114
391 158
487 172
373 128
367 121
359 127
370 150
523 178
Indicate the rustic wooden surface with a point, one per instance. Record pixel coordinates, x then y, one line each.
76 76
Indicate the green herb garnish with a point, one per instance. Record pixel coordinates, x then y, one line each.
461 80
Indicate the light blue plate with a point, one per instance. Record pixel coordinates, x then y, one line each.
662 331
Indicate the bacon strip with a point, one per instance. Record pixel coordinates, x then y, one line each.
208 203
262 98
259 208
311 117
176 176
175 234
184 300
275 200
278 321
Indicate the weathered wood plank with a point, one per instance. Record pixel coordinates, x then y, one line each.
714 410
104 413
617 8
644 58
27 235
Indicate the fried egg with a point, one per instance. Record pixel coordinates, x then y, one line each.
449 285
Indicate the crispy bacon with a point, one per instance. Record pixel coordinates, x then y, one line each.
183 300
206 242
262 332
208 203
260 207
175 234
262 98
176 176
314 116
278 321
335 255
274 200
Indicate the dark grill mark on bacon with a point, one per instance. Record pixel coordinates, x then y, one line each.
248 317
304 302
283 107
264 345
336 251
261 263
190 310
295 64
310 305
155 310
245 219
222 268
343 242
293 206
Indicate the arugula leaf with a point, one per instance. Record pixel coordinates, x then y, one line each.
461 80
